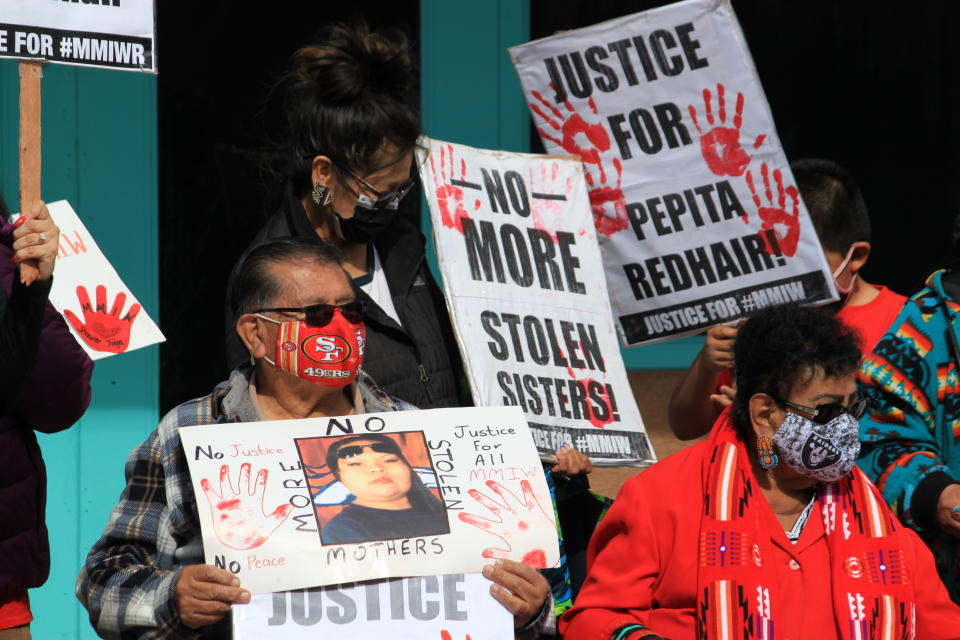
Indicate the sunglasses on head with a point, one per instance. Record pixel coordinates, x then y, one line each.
352 450
824 413
320 315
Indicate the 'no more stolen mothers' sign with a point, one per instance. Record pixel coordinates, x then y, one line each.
698 215
524 281
291 504
113 34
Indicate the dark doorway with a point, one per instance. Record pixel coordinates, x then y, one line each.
217 113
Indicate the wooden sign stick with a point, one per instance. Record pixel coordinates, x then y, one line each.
30 74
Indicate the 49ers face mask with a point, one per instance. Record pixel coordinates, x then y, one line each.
329 355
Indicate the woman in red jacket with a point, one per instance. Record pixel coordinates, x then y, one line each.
766 530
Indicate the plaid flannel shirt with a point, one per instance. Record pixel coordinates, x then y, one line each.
127 583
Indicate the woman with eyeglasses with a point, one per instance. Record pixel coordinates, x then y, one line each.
389 499
352 128
767 529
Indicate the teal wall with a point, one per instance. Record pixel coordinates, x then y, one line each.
100 154
470 94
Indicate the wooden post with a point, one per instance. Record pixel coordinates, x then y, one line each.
30 74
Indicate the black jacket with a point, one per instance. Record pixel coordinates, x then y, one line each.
416 360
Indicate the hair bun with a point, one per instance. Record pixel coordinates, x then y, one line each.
348 63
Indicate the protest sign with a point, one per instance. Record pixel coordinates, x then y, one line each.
336 500
448 607
699 218
523 280
99 33
100 309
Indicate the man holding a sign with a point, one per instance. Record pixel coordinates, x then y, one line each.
298 319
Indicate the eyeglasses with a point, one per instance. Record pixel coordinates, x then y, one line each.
320 315
356 449
824 413
384 198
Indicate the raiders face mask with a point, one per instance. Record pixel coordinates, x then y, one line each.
826 452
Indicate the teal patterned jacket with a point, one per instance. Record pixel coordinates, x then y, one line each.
910 436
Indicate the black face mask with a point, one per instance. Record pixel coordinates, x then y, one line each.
367 225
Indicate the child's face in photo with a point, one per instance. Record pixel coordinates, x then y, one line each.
377 479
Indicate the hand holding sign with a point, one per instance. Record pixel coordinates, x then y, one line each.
101 330
35 243
591 142
203 594
519 588
514 525
775 217
721 145
239 519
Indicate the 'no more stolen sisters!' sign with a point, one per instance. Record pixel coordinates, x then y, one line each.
699 218
523 278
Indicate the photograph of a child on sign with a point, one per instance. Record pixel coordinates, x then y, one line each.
372 487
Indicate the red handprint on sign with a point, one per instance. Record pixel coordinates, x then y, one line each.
239 520
591 142
775 217
445 635
547 213
514 525
720 146
450 195
103 331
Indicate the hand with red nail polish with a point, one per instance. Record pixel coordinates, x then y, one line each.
36 242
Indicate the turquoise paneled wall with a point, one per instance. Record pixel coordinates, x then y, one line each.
100 154
470 94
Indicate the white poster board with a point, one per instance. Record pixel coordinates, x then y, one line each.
447 607
101 311
111 34
699 218
523 279
274 512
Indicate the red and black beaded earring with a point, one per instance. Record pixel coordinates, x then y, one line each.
768 456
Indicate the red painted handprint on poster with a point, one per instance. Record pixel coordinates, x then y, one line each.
547 212
590 141
103 331
720 145
239 519
775 217
449 194
514 525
